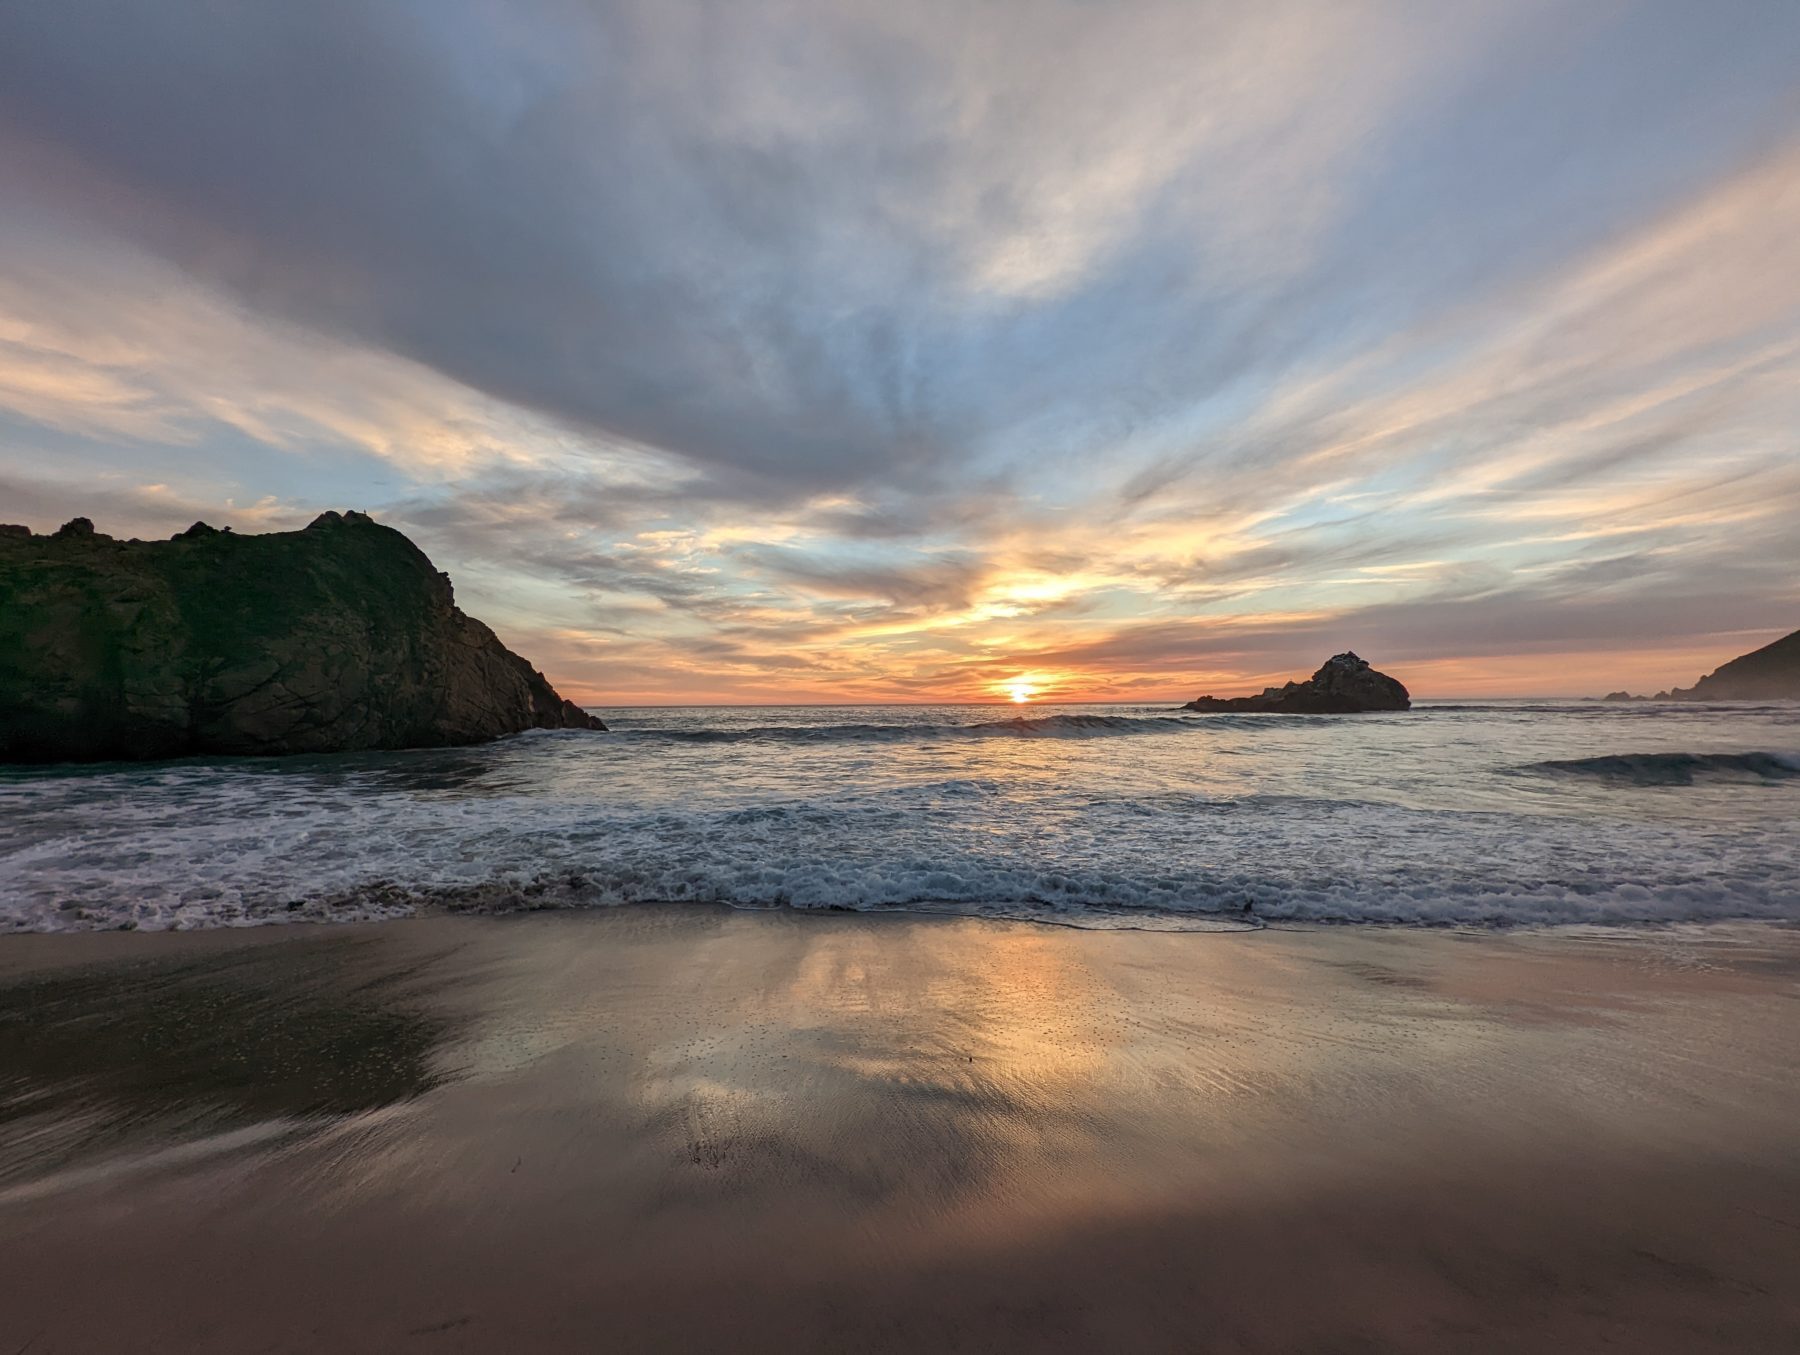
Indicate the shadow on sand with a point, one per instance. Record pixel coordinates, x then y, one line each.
102 1059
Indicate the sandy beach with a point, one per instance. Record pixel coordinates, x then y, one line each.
689 1128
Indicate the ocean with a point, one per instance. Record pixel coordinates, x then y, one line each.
1482 814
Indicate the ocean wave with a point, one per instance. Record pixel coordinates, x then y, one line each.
1675 769
1230 901
222 852
1019 727
1392 821
1661 712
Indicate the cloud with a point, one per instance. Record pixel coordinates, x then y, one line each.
776 237
121 508
872 349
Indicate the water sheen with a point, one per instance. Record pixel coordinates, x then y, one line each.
1485 814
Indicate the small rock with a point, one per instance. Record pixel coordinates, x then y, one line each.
1344 685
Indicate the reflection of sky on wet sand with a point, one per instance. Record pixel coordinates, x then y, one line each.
666 1065
707 1126
169 1053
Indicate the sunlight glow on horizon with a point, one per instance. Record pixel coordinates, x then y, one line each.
1125 355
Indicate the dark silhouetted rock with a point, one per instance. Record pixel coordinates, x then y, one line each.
1344 685
338 637
1623 696
13 529
1771 673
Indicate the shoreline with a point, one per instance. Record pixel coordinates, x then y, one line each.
1178 924
679 1126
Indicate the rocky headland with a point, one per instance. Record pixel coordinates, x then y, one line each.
1344 685
341 636
1771 673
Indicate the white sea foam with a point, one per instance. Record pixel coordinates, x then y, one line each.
1473 815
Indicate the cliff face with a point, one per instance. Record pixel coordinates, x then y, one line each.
1344 685
1771 673
341 636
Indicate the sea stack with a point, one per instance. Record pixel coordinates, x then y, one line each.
1344 685
342 636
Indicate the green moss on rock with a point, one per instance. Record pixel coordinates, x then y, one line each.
341 636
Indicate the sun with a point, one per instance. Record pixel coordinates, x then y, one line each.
1020 692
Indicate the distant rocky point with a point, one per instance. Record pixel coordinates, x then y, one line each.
341 636
1771 673
1344 685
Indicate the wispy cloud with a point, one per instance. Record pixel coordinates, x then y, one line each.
851 350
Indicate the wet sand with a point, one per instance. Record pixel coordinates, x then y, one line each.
686 1128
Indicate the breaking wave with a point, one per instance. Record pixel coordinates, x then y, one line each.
189 847
1488 816
1676 769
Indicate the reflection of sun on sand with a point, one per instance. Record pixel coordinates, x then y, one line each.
689 1128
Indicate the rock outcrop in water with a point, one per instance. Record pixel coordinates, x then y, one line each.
341 636
1344 685
1771 673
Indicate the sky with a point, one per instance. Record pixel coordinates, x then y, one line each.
845 350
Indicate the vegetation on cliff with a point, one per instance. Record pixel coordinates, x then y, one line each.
342 636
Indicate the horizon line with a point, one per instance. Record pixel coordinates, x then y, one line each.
912 705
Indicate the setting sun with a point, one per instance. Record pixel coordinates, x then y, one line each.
1020 692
